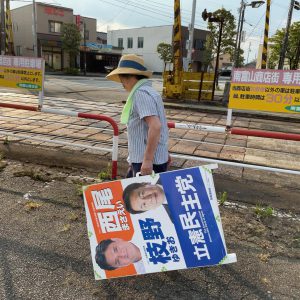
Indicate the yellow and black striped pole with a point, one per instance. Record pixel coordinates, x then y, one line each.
266 37
9 40
177 44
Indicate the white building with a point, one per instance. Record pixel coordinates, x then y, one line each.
144 41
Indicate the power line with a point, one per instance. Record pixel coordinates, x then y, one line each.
147 9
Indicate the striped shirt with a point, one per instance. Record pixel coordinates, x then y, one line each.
146 102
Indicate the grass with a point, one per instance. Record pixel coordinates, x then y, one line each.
105 174
222 198
263 212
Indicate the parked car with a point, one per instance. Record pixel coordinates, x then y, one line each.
108 69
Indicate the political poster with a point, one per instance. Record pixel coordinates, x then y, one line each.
265 90
22 72
157 223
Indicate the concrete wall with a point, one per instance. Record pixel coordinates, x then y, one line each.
22 29
91 26
58 14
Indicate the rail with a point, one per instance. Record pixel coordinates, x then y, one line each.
79 115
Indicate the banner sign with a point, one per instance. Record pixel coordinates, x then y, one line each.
147 224
265 90
21 72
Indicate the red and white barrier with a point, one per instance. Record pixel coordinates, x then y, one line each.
79 115
197 127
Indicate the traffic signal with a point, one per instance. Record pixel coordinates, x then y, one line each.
206 15
297 5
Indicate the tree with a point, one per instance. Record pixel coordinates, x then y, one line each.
71 39
165 53
228 36
292 48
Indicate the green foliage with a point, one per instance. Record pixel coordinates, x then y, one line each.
71 39
222 198
105 174
6 141
263 212
79 190
165 53
71 71
228 35
276 45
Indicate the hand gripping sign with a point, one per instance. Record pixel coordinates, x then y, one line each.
148 224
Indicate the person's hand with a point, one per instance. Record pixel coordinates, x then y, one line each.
147 167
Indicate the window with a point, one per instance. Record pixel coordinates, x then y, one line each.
129 42
120 42
140 42
55 27
199 44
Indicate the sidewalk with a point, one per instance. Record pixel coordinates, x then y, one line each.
243 149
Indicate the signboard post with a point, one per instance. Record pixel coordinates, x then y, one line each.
156 223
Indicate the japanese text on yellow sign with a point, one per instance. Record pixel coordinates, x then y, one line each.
21 72
265 90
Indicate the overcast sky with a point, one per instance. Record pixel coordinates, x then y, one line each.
120 14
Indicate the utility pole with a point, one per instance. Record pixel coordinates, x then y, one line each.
2 28
249 50
84 43
297 58
240 34
35 46
216 81
237 37
266 36
191 37
286 36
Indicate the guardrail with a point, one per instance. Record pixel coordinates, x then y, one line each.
238 131
114 125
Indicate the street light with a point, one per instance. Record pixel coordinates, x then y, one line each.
256 4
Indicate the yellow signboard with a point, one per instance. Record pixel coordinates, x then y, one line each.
265 90
21 72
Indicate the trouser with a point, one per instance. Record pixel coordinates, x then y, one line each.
136 167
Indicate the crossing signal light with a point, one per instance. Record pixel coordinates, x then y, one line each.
297 5
206 15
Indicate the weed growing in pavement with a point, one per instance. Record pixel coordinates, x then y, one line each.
105 174
79 190
222 198
31 205
263 212
33 174
6 141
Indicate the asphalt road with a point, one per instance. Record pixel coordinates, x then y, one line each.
90 88
45 249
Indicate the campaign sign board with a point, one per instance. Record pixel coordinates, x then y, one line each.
157 223
265 90
21 72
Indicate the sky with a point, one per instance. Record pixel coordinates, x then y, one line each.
121 14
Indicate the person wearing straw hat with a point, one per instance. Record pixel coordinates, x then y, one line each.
144 116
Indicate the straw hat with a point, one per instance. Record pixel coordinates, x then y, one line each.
129 64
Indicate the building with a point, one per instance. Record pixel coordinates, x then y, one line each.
225 61
144 41
102 37
49 21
